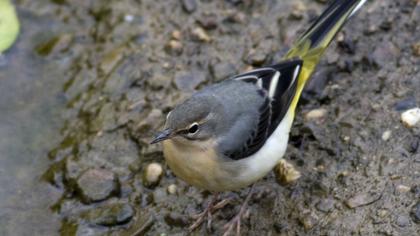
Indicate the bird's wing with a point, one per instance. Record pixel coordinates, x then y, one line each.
277 84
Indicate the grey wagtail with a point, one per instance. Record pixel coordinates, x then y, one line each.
231 134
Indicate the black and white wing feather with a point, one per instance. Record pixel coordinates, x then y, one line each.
277 84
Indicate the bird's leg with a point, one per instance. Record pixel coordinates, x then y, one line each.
236 221
208 212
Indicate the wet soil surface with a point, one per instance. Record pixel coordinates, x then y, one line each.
125 64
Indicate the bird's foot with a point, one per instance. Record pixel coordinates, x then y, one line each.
208 213
235 223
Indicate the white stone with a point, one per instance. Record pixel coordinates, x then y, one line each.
411 118
172 189
386 135
316 114
403 189
153 173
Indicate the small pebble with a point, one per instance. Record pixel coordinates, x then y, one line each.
176 219
208 21
189 80
382 213
110 215
176 34
172 189
416 49
386 135
175 46
416 191
97 185
298 9
362 200
414 145
128 18
415 213
309 220
403 188
256 57
201 34
189 5
153 174
405 104
402 221
222 70
315 114
286 172
411 118
325 205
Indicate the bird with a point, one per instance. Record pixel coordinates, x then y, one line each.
231 134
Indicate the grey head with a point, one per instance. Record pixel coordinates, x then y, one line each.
197 118
226 112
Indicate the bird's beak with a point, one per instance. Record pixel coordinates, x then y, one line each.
162 135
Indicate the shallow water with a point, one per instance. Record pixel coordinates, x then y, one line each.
30 105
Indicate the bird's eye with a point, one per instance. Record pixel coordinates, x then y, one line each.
193 128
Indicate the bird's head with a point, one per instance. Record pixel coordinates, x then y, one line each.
196 119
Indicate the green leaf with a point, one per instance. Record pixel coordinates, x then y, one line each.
9 25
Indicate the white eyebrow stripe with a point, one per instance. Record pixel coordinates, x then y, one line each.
273 84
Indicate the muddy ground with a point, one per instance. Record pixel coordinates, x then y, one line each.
126 63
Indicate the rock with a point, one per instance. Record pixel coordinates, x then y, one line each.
415 213
176 34
176 219
325 205
189 5
403 188
222 70
416 191
385 53
402 221
416 49
309 220
55 45
97 185
174 47
188 81
405 104
286 172
159 81
411 118
152 174
172 189
200 34
362 199
208 21
151 122
298 8
110 215
316 114
111 59
414 145
256 57
386 135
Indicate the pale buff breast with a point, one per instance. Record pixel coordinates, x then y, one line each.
197 166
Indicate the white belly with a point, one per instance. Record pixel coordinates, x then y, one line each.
263 161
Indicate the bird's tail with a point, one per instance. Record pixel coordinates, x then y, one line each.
312 44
